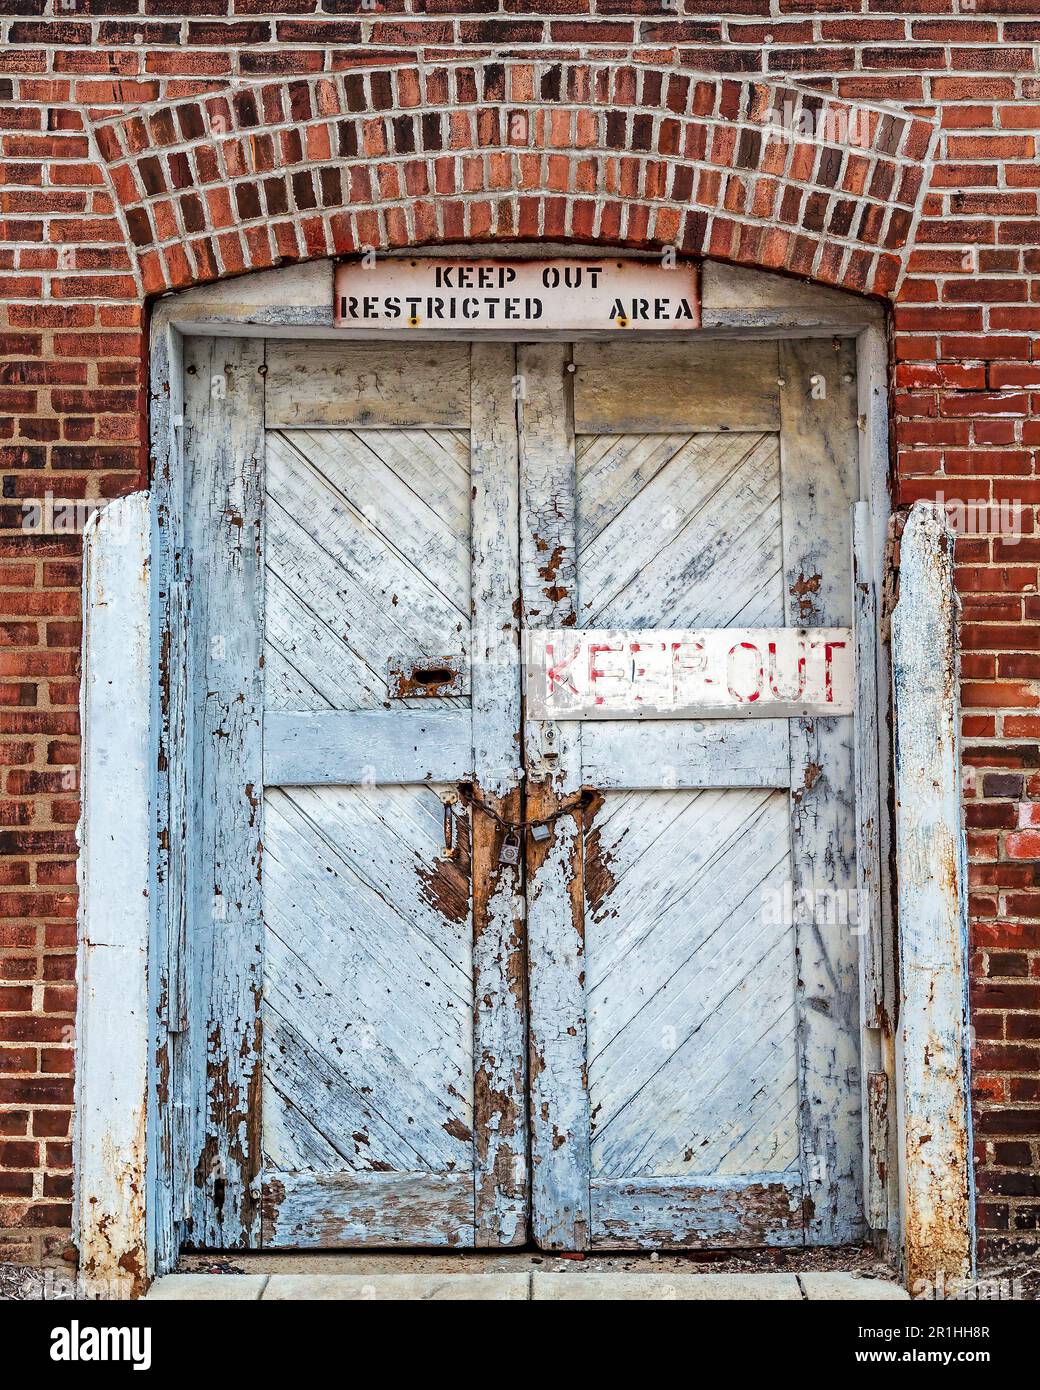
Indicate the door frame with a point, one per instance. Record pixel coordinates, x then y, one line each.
296 302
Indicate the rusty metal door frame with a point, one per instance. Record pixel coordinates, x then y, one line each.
296 302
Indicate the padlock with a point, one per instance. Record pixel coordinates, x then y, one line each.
509 853
539 832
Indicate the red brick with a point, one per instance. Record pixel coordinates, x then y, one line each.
966 323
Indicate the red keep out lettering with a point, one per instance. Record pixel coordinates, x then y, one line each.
750 647
558 673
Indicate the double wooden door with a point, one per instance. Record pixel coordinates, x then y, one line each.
469 978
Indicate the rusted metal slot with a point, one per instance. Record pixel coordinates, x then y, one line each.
451 849
425 677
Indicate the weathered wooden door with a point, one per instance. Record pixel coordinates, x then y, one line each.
694 1022
369 529
354 546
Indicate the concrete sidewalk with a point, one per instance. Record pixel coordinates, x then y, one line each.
524 1286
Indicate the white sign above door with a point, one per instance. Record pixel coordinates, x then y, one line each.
721 673
506 296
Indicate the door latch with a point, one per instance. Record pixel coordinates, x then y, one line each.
549 741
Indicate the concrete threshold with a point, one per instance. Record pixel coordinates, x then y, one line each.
525 1285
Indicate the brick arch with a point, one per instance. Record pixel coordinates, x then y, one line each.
634 155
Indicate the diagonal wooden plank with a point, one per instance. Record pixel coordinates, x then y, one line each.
725 1092
612 470
314 1118
307 839
679 997
694 932
718 530
343 576
380 563
433 465
329 672
685 1023
332 512
368 1031
675 1109
352 470
723 830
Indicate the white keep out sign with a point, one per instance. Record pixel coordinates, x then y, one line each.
720 673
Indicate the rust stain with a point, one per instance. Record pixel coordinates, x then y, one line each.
599 878
757 1211
228 1158
270 1203
812 774
805 589
445 883
109 1242
549 570
499 1086
490 1102
431 678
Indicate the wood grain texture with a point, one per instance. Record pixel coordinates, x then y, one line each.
691 985
224 458
559 1104
394 993
367 557
695 543
377 746
819 480
172 754
666 387
377 385
368 1046
366 1210
692 1059
499 917
686 753
868 810
692 1080
655 1214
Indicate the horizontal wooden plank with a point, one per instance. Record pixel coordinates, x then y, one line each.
326 1210
684 673
378 747
372 385
737 297
665 1213
685 754
622 388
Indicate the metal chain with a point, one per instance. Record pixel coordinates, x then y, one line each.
573 804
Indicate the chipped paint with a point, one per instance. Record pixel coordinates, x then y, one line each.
935 1141
599 877
426 677
499 1013
112 1072
445 883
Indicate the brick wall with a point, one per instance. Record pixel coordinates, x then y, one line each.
86 236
